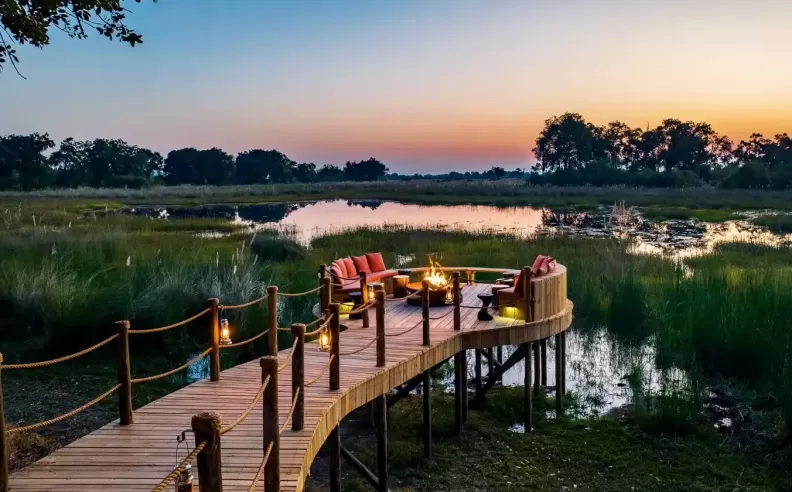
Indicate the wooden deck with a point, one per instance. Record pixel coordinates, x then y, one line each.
137 457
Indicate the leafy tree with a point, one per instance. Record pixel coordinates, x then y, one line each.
29 21
495 172
369 170
305 172
329 172
566 142
199 167
22 161
263 166
104 162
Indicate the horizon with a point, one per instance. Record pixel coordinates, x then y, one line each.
423 87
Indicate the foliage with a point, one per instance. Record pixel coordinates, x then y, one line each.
369 170
22 161
28 22
202 167
277 249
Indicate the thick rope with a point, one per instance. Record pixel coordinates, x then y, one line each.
408 330
45 363
321 373
291 354
362 308
316 332
442 315
168 327
246 304
291 411
298 294
245 342
174 371
180 468
345 278
308 325
361 349
400 299
261 467
65 416
249 409
491 307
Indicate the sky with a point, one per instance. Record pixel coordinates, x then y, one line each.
424 85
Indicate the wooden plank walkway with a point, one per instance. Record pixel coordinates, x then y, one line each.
137 457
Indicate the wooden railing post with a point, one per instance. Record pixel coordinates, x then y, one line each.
364 298
425 311
298 376
214 333
272 320
457 301
271 427
4 451
325 293
124 376
380 296
206 427
322 271
335 347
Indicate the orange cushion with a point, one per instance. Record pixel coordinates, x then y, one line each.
350 267
361 264
340 269
375 262
548 265
537 264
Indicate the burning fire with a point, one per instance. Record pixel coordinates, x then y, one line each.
435 275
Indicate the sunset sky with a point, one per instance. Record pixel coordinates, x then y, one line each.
423 85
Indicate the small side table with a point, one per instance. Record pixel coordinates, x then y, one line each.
400 285
483 314
404 272
357 300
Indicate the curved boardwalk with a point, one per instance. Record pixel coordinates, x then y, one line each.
138 456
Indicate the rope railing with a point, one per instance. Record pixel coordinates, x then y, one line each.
433 318
401 299
408 330
39 425
245 342
170 327
291 410
298 294
288 358
346 278
321 373
51 362
246 304
261 467
361 349
496 306
317 320
170 477
362 308
175 370
248 410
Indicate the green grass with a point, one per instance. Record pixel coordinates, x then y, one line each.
779 223
659 213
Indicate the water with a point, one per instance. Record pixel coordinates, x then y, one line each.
306 220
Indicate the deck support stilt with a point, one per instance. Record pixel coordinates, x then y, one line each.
500 360
427 414
558 377
381 409
458 393
490 362
537 367
465 402
543 351
513 359
334 443
527 393
563 363
477 381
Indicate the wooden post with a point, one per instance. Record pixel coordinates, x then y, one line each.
124 377
458 393
206 427
325 293
425 311
381 409
543 351
427 414
4 451
563 363
464 370
335 347
477 382
537 368
364 298
528 394
457 301
298 376
558 376
380 296
272 320
335 458
490 362
526 294
271 427
500 360
214 336
322 271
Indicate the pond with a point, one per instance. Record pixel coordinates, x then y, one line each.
306 220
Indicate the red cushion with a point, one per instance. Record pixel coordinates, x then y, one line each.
548 265
538 262
375 261
337 273
379 276
518 284
350 267
361 264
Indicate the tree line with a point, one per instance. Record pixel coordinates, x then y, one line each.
570 150
30 162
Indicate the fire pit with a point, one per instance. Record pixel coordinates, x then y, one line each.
440 290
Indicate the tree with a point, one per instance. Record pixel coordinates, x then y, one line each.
104 162
199 167
305 172
263 166
565 142
29 21
329 172
22 161
369 170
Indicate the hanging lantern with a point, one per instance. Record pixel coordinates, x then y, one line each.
184 482
225 332
324 340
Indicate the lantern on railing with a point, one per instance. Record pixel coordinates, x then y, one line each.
225 332
184 482
373 287
324 340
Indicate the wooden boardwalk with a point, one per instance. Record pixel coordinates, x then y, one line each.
138 456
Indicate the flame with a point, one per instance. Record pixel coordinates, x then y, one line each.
437 279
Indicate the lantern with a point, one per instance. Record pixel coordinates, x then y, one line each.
324 340
184 482
225 332
374 287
